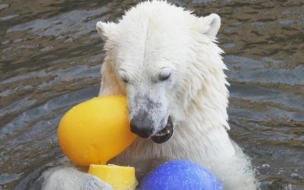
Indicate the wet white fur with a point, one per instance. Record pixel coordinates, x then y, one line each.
152 39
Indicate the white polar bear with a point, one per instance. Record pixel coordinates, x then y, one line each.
166 61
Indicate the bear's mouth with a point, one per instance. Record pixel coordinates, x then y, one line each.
165 134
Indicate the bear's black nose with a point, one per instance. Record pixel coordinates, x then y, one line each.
140 127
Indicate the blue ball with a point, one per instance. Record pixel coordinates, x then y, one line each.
179 174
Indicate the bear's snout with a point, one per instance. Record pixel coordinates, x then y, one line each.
141 126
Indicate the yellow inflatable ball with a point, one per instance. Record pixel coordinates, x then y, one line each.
95 131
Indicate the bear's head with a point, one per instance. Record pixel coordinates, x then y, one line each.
165 60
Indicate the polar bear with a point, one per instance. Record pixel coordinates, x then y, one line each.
166 61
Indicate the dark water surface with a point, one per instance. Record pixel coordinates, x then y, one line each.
50 61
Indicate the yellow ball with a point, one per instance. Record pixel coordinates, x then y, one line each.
95 131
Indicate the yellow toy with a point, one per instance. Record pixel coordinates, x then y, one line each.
95 131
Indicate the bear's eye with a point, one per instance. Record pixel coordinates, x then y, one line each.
125 80
123 76
164 76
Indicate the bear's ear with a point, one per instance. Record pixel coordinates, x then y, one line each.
210 25
105 30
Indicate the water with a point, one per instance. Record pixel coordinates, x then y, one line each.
50 61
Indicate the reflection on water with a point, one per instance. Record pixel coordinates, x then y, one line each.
50 61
